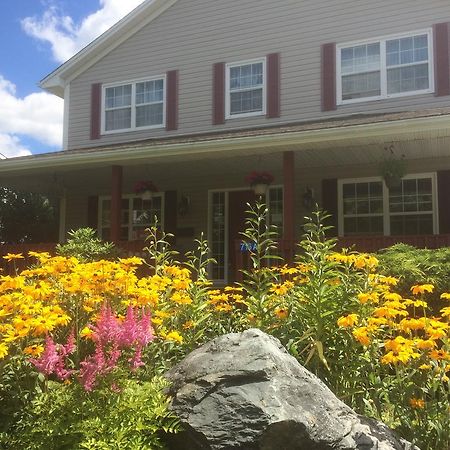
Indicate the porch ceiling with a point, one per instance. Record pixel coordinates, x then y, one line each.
363 144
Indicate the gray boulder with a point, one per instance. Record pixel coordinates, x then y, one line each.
244 391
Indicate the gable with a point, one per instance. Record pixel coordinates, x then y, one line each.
97 49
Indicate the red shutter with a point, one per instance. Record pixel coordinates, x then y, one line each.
441 59
330 203
92 219
218 93
96 98
170 213
172 100
328 77
443 181
273 85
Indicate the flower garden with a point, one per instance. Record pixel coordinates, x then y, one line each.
84 343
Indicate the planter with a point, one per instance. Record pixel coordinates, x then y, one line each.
147 195
393 181
260 189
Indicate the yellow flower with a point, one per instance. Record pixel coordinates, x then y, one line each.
348 321
422 288
445 296
281 313
366 297
12 256
425 367
417 403
86 332
174 336
33 350
3 350
361 335
189 324
445 311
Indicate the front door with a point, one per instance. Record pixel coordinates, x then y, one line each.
237 207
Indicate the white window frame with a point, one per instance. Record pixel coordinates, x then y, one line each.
130 198
133 105
384 68
386 213
228 68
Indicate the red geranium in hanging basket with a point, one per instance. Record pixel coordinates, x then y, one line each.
144 186
257 177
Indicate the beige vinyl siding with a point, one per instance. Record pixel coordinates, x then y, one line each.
193 34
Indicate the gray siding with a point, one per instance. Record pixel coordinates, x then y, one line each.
194 34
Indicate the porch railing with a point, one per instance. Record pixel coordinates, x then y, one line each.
366 244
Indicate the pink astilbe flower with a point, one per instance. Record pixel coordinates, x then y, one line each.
111 338
52 360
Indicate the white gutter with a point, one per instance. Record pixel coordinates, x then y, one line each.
272 142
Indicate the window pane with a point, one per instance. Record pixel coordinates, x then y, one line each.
412 224
361 85
150 92
410 78
247 76
246 101
149 115
359 59
118 119
363 208
118 96
412 195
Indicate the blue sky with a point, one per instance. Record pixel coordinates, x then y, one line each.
37 36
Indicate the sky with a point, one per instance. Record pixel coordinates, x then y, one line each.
36 36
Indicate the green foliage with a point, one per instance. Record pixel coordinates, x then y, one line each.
158 248
260 239
84 245
26 217
66 417
416 266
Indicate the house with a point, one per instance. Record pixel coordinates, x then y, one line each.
195 94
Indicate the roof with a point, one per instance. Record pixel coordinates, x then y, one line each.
142 15
260 139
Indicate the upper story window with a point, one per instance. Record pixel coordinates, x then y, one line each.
134 105
383 68
246 88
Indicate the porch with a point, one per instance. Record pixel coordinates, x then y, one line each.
202 188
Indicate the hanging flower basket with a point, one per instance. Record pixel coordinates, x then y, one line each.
259 181
392 171
145 188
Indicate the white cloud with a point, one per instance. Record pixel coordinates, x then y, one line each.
67 37
38 115
11 147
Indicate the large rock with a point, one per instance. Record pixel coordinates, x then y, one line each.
244 391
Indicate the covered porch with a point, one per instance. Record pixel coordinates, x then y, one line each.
201 186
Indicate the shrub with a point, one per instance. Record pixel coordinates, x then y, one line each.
84 245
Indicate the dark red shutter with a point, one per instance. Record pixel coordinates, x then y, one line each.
218 93
328 77
330 203
443 180
96 98
170 212
441 59
273 85
92 219
172 100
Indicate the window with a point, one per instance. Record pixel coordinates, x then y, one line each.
367 206
137 215
246 89
384 68
133 106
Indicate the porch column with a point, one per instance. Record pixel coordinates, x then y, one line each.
288 205
62 218
116 202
